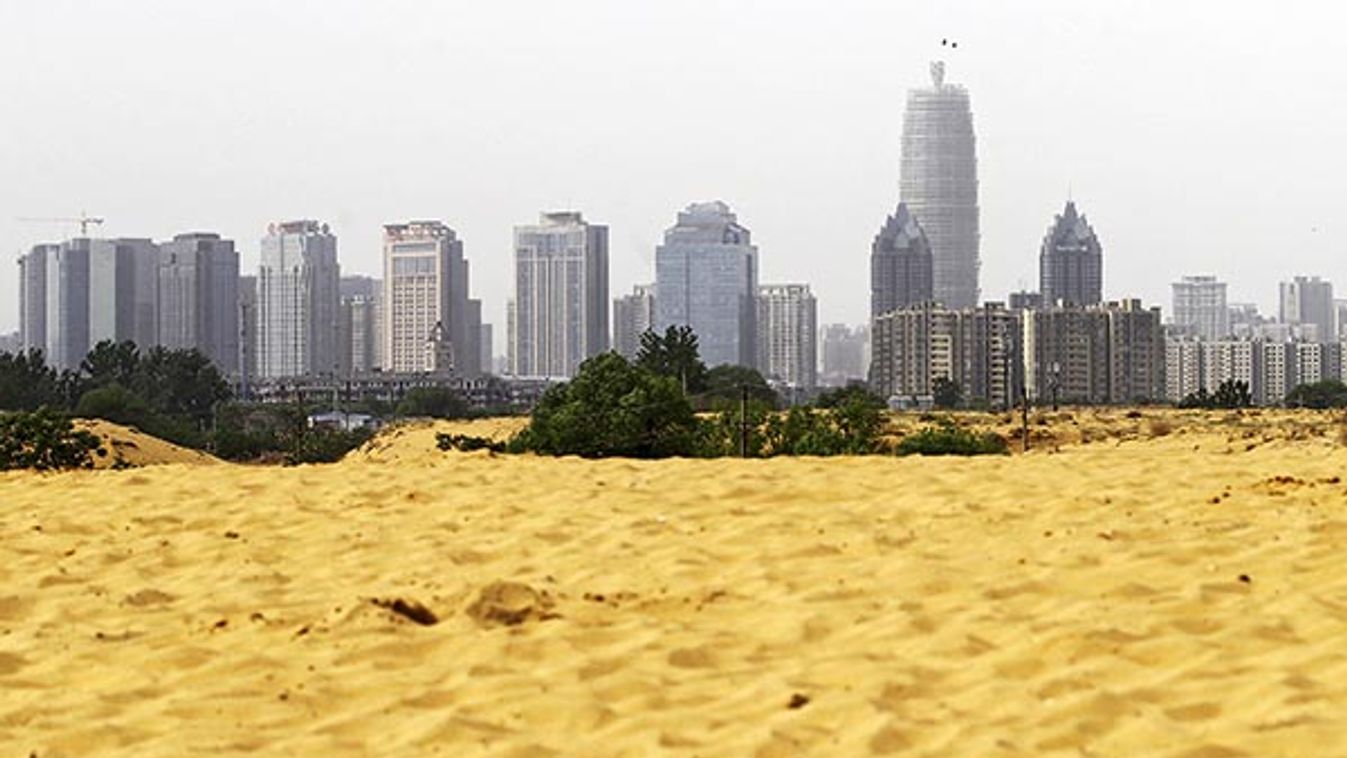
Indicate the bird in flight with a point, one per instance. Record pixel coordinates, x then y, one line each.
947 43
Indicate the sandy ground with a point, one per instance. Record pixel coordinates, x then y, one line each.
129 447
1179 592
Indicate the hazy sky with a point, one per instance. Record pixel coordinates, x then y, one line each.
1196 136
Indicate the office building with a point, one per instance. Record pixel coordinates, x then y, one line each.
939 184
1200 309
706 277
560 295
425 298
845 354
787 321
124 292
901 267
1308 302
633 315
198 297
1071 261
67 295
297 301
33 297
361 331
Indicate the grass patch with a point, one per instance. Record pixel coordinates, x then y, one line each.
948 439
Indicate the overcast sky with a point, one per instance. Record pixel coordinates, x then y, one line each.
1196 136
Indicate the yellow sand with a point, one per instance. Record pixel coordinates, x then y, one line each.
1084 602
134 448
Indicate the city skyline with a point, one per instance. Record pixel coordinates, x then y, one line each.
224 166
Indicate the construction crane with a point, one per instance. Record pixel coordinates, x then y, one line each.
84 220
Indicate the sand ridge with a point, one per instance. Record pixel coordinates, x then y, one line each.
1176 595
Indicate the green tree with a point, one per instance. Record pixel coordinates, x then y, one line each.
611 408
182 383
43 440
947 393
432 402
674 354
1232 394
852 392
111 363
26 383
723 387
1329 393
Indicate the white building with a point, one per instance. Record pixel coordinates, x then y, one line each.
1308 301
298 324
633 315
425 298
560 307
787 321
1200 307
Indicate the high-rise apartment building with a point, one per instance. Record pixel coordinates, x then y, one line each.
633 315
67 295
787 321
939 184
1200 309
33 297
1071 261
1308 301
198 297
845 354
975 348
425 298
1111 353
706 277
901 267
124 292
361 344
560 295
297 301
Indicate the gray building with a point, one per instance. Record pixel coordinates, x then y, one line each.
198 297
845 354
11 343
1200 308
425 298
33 297
247 333
900 264
975 348
67 299
124 292
361 317
1308 301
633 315
787 321
297 301
1024 301
560 295
706 277
939 184
1110 353
1071 261
486 357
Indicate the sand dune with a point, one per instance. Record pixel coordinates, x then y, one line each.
1178 593
130 447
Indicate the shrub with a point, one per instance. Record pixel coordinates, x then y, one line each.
465 443
948 439
44 440
432 402
849 393
1159 427
611 408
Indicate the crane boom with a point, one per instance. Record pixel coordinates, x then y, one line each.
84 220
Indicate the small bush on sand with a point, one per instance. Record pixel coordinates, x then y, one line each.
466 443
948 439
44 440
1159 427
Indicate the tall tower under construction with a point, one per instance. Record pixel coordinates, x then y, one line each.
940 185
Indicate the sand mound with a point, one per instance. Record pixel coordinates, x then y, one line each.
135 448
413 442
1176 595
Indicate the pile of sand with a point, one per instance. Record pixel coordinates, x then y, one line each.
414 442
1181 595
132 447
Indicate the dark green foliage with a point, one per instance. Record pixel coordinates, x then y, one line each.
674 354
947 394
946 438
611 408
432 402
26 383
719 436
852 428
1231 394
43 440
324 444
182 383
723 386
465 443
275 432
850 393
1329 393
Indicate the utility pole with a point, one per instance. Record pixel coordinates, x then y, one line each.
1024 420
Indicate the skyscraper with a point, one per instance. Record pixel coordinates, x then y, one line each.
198 297
1308 301
297 301
845 354
939 184
123 291
424 296
633 315
900 264
787 322
33 297
1200 309
361 324
706 277
561 295
67 318
1071 261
